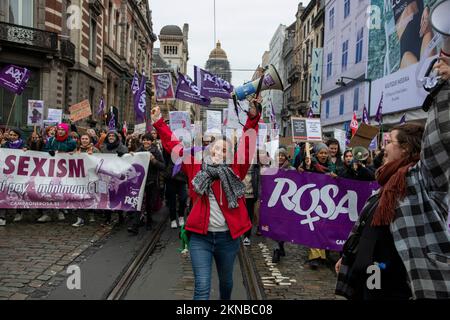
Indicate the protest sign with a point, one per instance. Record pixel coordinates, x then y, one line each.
78 181
54 115
213 121
364 136
311 209
306 130
35 113
340 135
80 110
140 128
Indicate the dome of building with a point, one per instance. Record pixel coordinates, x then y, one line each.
218 63
218 52
171 30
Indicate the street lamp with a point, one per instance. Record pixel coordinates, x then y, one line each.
340 82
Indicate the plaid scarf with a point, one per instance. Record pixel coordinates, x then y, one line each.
234 188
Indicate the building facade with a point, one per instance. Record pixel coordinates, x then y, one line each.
289 65
345 55
76 50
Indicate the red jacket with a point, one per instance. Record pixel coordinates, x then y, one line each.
198 220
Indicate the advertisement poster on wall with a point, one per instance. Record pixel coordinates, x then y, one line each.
400 51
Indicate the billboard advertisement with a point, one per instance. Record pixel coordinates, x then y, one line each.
401 48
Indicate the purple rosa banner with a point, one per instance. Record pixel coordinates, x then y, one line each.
311 209
72 181
211 85
188 91
14 78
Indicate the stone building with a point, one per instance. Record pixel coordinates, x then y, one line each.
76 50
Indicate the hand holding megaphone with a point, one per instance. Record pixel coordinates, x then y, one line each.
442 67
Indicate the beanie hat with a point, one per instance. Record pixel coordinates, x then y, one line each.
319 146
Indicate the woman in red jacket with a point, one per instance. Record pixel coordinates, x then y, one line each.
219 215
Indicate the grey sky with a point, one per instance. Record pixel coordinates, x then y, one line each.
244 28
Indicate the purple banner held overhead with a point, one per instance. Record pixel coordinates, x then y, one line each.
140 102
311 209
14 78
212 86
188 91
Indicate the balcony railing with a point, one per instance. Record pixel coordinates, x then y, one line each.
28 37
67 51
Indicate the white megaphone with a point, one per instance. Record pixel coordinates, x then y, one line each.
98 169
270 81
440 22
360 153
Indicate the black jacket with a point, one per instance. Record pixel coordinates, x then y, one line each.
155 165
362 174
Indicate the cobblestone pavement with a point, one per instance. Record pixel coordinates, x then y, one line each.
34 257
291 278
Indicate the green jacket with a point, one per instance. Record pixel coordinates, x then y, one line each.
67 145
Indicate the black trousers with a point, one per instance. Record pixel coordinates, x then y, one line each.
250 204
174 188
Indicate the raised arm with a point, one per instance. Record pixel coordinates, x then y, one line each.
168 139
247 144
435 155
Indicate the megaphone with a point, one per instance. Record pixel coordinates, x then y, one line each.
99 169
360 153
269 81
441 25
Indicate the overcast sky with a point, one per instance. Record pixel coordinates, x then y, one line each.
244 28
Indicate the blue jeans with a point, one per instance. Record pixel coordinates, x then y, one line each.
203 248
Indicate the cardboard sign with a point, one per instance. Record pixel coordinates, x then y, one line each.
35 112
364 136
306 130
340 136
80 110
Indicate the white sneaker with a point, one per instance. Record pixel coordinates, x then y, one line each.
79 223
44 218
61 216
18 217
91 218
173 224
2 222
246 241
181 221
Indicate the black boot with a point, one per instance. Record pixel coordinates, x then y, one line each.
134 229
281 246
276 256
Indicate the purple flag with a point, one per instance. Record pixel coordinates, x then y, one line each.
140 101
135 83
403 119
348 132
211 85
14 78
299 208
379 115
112 121
101 107
188 91
365 117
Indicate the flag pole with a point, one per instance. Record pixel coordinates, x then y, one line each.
10 112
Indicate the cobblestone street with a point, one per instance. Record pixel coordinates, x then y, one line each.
34 257
291 278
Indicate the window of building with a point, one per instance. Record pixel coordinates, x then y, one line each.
92 39
344 55
346 8
341 105
359 45
356 99
329 65
21 12
327 109
331 18
117 31
91 95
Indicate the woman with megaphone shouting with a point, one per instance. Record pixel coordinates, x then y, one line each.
219 216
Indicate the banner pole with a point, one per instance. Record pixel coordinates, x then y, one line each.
10 112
